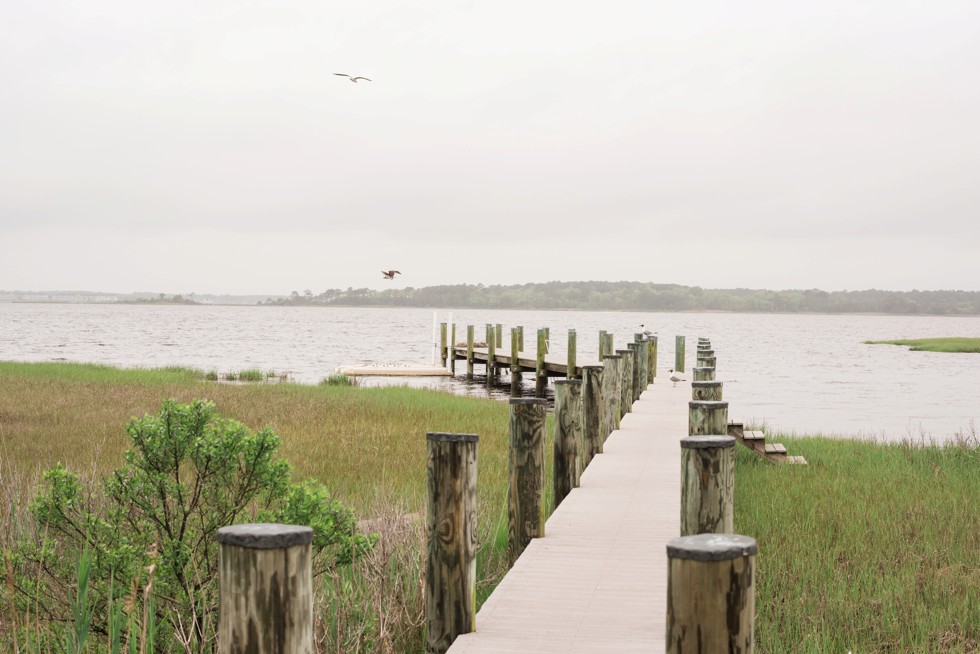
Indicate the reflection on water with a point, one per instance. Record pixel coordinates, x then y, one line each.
801 373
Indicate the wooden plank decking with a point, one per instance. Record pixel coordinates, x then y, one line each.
597 581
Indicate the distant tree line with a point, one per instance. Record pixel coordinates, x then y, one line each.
641 296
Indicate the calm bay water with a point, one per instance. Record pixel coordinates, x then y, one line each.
799 373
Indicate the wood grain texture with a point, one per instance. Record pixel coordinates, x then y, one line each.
652 375
704 374
625 382
525 497
593 408
707 485
572 346
469 351
611 394
707 390
568 443
679 345
707 418
266 604
451 539
515 368
540 376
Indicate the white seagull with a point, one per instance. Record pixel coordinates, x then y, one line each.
674 377
647 332
351 78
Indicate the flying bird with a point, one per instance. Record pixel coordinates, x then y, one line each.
352 78
674 377
390 274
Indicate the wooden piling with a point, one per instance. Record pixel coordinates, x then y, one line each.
491 354
451 539
703 373
602 345
626 382
540 374
612 380
515 366
520 338
568 444
572 342
443 352
711 594
652 374
525 497
706 390
679 353
707 418
499 334
593 408
266 589
469 351
707 484
706 362
635 356
452 351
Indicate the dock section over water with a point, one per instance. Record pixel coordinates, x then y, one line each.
597 582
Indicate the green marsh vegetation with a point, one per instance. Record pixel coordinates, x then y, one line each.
870 548
935 344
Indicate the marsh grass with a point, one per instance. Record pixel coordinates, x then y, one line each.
935 344
872 547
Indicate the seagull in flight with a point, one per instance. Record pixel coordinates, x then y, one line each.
352 78
674 377
390 274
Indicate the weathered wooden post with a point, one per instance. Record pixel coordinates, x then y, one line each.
644 378
450 565
515 365
706 390
635 387
525 497
491 354
540 374
568 437
469 351
711 594
652 375
443 353
593 407
705 353
452 351
679 353
612 394
602 344
520 338
499 334
625 383
265 577
609 343
706 362
707 485
706 418
702 373
572 374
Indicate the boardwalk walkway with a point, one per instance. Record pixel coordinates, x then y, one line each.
597 581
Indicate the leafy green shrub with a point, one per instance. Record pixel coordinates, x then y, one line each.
188 473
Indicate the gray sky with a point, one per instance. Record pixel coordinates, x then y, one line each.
207 146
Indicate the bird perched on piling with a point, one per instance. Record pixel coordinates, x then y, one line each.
390 274
674 377
647 332
352 78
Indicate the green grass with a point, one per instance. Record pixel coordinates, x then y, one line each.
935 344
869 548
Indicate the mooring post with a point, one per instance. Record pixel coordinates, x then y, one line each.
637 371
625 382
706 418
570 370
612 393
568 437
653 359
515 364
705 353
602 344
520 338
525 497
644 378
491 353
593 408
679 353
265 581
711 593
707 484
452 360
706 362
706 390
702 373
499 334
540 374
469 351
451 540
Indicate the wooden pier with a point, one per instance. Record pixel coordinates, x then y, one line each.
597 582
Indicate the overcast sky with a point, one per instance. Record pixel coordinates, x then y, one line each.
206 146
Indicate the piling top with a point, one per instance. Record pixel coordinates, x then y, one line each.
595 367
265 536
707 442
622 352
612 356
711 547
708 404
572 382
528 400
706 384
445 437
